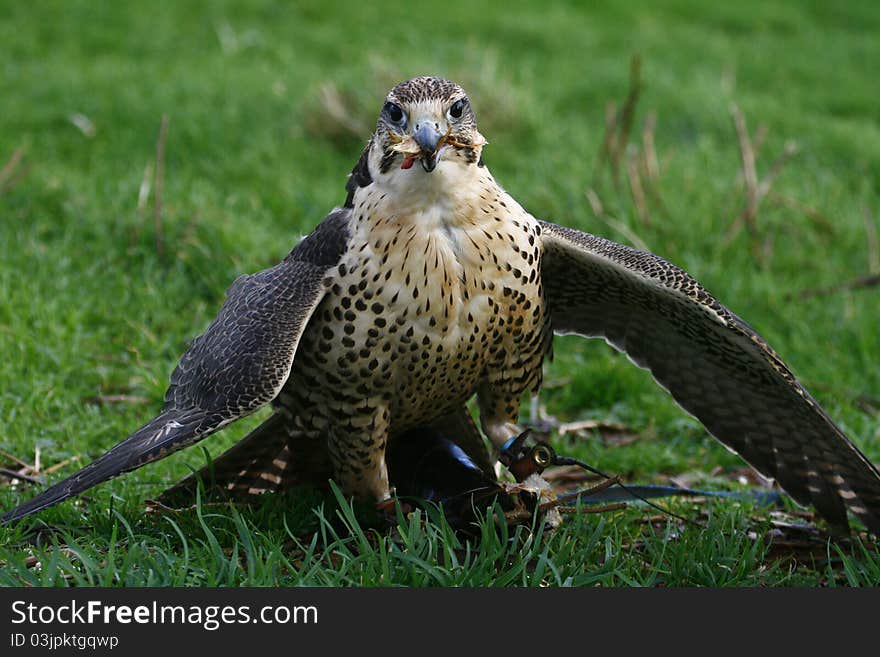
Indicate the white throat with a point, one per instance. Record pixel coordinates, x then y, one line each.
446 197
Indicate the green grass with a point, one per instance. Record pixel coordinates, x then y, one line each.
89 306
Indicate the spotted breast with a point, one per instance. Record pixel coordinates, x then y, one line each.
437 297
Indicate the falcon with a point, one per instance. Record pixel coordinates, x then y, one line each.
432 285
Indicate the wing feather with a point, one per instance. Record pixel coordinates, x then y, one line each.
714 365
236 366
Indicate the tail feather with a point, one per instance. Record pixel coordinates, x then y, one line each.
162 435
268 459
274 458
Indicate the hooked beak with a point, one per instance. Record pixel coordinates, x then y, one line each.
427 137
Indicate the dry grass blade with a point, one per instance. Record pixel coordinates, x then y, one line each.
601 486
11 165
595 202
29 472
340 110
84 124
568 474
618 125
60 464
16 474
873 243
117 399
591 425
593 508
863 282
650 163
790 150
12 172
868 404
144 189
564 506
761 133
818 219
142 199
561 382
33 562
611 222
756 189
638 191
608 139
610 433
155 506
12 457
628 112
749 173
159 183
640 160
649 148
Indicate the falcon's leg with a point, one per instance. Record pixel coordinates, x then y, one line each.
499 412
357 451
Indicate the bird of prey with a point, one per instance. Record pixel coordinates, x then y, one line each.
430 285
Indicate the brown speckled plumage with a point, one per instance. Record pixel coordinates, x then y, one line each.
425 88
417 318
715 366
433 285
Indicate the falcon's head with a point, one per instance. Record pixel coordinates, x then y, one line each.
428 120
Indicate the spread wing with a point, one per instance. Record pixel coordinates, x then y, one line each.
714 365
236 366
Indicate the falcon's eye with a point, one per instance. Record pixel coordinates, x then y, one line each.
394 112
457 108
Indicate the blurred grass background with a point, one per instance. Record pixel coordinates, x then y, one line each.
107 270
